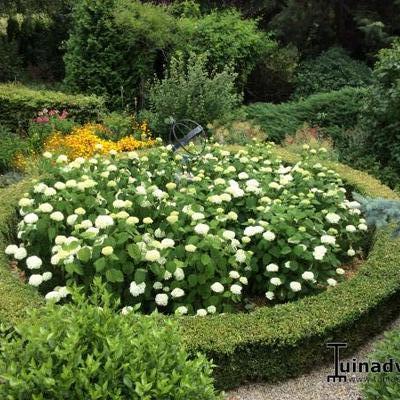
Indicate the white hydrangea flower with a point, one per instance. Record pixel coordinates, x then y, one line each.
25 202
35 280
11 249
182 310
332 218
236 289
228 235
253 230
179 274
62 159
232 215
351 252
157 285
31 218
53 296
49 191
177 292
211 309
161 299
137 289
331 282
152 255
126 310
107 251
308 276
167 243
351 228
57 216
240 256
147 220
270 295
103 221
319 252
132 220
243 280
167 275
71 219
217 287
20 253
275 281
362 227
190 248
234 275
328 239
272 267
201 229
295 286
47 276
201 312
80 211
33 262
340 271
269 236
45 208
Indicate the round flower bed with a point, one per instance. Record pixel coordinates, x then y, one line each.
270 343
188 239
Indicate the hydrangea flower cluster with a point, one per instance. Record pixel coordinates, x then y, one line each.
238 224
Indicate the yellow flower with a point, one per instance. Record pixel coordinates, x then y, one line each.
84 141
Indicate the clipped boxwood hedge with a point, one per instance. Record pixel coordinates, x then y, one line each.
339 108
19 104
270 343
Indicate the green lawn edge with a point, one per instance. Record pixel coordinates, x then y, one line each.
271 343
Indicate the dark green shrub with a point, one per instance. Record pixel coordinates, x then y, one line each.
384 385
332 70
89 351
11 144
272 78
19 104
335 109
10 61
188 91
381 117
113 47
118 124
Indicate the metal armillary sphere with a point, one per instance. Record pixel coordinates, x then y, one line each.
186 132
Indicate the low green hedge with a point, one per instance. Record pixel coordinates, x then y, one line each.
19 104
338 108
270 343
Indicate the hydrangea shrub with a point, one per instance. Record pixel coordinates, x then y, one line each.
188 238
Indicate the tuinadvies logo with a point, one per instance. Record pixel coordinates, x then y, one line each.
354 366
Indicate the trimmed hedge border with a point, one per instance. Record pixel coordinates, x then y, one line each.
271 343
19 104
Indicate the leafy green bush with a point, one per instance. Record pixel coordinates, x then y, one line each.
20 104
332 70
227 38
89 351
339 108
380 119
188 91
384 385
11 144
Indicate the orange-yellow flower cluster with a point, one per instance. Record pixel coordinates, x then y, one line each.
83 141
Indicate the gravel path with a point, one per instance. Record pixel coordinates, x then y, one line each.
311 386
